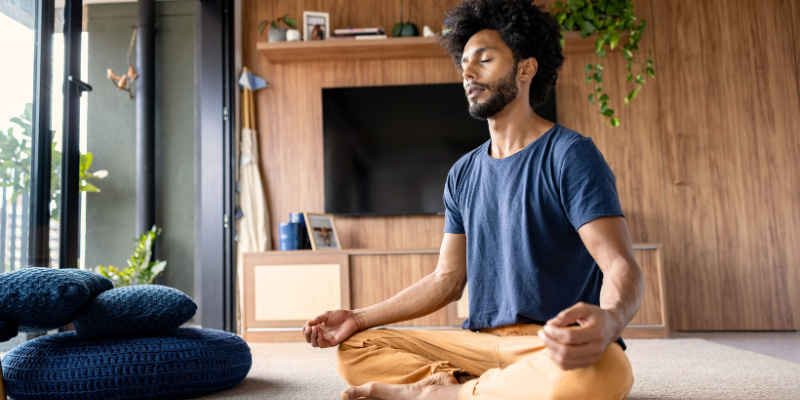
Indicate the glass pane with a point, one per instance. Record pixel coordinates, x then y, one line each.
110 138
17 21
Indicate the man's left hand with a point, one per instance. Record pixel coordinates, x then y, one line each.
572 347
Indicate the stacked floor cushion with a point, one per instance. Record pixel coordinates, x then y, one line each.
138 310
43 299
184 363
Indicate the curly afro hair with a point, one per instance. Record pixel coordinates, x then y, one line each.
525 29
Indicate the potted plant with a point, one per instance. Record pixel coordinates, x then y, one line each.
405 28
277 33
140 270
610 20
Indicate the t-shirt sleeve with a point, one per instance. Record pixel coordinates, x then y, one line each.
452 213
587 185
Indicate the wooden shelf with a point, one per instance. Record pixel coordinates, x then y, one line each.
407 47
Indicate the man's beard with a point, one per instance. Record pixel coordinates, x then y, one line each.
504 92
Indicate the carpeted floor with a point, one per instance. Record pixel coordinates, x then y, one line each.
687 369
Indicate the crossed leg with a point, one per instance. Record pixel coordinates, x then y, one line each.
508 362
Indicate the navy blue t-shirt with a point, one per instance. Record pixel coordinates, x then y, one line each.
521 214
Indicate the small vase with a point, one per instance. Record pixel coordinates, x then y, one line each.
277 34
292 35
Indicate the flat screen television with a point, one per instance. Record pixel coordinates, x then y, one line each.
388 149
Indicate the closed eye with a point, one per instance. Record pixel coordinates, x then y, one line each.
483 61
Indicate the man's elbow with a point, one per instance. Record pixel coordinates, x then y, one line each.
451 283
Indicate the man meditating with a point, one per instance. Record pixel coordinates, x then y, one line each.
534 225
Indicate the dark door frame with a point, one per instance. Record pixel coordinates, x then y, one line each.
215 84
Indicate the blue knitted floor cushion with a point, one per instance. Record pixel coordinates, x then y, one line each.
138 310
41 299
185 363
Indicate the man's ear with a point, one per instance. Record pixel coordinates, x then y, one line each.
527 69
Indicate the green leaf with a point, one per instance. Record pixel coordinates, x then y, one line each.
639 79
598 44
628 77
598 67
608 112
598 77
650 72
575 5
589 78
589 67
598 90
603 106
261 27
604 97
627 54
587 28
591 98
601 53
560 17
589 14
290 22
614 122
569 23
614 40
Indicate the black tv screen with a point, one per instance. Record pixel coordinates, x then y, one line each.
387 149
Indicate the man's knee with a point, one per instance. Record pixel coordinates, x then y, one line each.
610 378
351 357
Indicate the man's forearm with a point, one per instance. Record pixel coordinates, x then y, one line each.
428 295
622 291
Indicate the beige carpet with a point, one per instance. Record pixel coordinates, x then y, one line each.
663 369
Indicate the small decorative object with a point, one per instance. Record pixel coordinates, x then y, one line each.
277 33
125 82
184 363
405 28
137 310
298 217
322 232
445 31
289 238
316 25
140 269
428 32
292 35
608 19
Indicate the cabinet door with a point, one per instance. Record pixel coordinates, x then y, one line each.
728 105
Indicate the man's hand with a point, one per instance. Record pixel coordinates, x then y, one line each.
330 328
572 347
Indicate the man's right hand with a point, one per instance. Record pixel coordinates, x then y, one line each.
330 328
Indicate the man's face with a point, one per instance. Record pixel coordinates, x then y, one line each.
489 73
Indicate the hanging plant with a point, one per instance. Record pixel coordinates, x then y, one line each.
609 20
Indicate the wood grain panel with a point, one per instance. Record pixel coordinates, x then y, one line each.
374 278
729 101
650 312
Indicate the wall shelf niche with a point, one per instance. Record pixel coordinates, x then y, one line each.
380 49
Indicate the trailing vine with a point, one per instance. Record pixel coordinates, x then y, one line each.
609 20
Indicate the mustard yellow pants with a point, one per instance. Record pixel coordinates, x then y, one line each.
509 363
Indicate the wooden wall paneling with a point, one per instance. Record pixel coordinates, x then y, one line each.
374 278
729 99
650 312
632 150
795 8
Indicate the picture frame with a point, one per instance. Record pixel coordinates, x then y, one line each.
322 231
316 25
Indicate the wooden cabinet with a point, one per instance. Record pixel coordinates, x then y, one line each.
283 289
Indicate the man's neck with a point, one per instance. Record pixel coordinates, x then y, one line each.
514 128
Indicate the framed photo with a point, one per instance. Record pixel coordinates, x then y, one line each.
322 232
316 25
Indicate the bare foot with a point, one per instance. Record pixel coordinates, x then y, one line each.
441 386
